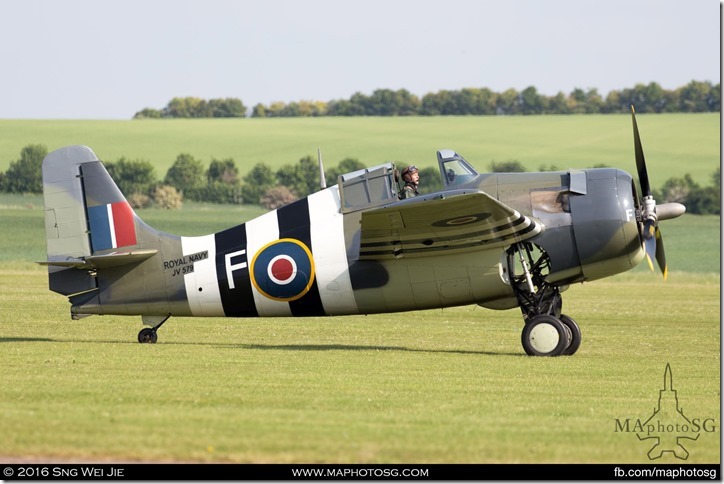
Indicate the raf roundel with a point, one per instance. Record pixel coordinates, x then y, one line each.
283 270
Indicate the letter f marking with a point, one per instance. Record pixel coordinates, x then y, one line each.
235 267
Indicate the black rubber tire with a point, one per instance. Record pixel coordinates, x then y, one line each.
544 335
575 333
147 335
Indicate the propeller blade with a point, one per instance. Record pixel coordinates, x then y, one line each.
660 256
653 243
640 161
649 234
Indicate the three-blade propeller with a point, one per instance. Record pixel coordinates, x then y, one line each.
649 214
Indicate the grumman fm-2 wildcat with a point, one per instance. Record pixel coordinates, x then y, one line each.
498 240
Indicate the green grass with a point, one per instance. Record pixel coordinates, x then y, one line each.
674 144
444 386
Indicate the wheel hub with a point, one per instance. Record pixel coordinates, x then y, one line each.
544 338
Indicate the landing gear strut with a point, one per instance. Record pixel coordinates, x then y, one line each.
547 332
148 335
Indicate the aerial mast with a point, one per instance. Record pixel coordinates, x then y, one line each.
322 179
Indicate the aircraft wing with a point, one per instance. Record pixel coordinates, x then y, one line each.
454 221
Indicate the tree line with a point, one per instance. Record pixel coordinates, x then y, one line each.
696 96
220 182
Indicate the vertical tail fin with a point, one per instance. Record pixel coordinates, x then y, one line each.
66 228
85 215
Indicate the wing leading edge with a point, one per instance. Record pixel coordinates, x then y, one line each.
460 221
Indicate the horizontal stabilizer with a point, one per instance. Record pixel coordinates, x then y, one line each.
114 259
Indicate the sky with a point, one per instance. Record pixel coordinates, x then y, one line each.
108 59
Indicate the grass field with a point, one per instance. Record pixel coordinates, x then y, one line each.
444 386
675 144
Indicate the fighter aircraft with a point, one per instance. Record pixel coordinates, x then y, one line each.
498 240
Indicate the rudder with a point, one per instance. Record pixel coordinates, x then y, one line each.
66 228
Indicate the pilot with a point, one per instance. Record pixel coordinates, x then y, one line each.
411 177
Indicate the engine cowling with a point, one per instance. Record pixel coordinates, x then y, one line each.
605 226
591 230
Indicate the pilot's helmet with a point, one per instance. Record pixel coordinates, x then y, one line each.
407 172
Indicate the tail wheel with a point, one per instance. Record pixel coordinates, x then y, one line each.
545 335
150 335
147 335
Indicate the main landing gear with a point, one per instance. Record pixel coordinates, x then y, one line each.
148 335
547 332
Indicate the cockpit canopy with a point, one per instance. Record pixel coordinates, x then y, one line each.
455 170
380 185
368 187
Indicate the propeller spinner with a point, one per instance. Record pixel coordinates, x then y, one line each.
650 214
